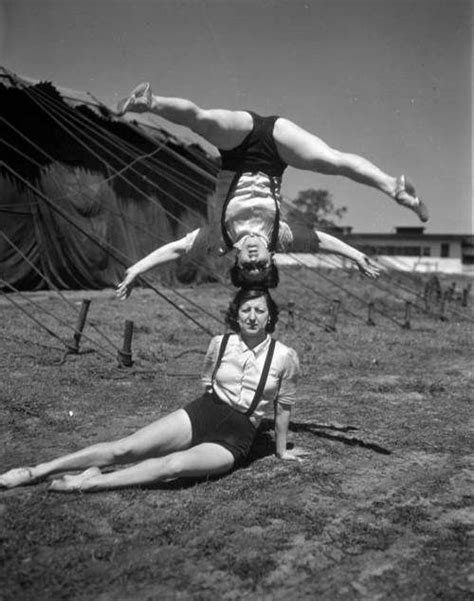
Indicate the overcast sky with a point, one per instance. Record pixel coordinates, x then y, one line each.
387 79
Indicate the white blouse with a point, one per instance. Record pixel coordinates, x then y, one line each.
239 374
251 209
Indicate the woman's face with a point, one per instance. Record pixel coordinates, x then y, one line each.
253 253
253 317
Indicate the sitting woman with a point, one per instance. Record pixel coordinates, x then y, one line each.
244 373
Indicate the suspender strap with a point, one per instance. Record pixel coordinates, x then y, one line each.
225 233
276 224
224 341
263 379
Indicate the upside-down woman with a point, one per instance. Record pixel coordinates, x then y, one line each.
254 152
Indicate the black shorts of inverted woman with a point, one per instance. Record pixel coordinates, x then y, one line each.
213 420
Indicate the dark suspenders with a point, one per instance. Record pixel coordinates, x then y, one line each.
276 224
263 378
224 341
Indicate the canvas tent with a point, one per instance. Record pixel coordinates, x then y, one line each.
84 193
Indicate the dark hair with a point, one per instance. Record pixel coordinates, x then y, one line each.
242 296
265 277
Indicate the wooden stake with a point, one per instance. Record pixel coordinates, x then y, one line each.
73 347
125 355
407 324
370 310
331 327
291 315
442 307
465 294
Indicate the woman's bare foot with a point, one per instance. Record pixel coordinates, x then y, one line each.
18 476
71 483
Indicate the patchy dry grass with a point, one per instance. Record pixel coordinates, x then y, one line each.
380 510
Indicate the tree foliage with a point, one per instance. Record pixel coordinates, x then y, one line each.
315 209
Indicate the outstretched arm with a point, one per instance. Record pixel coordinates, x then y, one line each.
169 252
331 244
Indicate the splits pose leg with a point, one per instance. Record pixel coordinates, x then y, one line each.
226 129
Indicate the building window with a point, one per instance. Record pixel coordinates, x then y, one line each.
426 251
407 251
445 249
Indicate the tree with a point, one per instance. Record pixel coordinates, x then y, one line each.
314 209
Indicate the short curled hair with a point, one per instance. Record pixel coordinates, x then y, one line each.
244 295
267 277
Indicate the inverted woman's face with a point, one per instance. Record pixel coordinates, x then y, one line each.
253 250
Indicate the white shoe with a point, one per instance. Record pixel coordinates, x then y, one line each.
406 196
139 100
16 477
72 483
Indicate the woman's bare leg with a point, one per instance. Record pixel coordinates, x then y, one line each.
220 127
166 435
303 150
207 459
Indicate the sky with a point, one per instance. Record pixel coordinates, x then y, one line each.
390 80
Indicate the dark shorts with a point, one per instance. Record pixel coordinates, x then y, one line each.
214 421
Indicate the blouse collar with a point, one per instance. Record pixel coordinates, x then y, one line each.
257 350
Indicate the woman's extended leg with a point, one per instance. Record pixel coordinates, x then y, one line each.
303 150
207 459
166 435
220 127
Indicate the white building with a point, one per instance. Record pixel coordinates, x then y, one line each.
408 249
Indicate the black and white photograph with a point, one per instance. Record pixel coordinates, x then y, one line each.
236 305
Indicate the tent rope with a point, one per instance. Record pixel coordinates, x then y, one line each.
134 225
55 288
109 248
58 319
149 198
189 301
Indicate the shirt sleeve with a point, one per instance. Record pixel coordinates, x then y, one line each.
291 369
285 236
210 361
204 241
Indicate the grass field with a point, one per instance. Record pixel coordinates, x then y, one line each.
381 510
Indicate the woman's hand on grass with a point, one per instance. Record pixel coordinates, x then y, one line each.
295 454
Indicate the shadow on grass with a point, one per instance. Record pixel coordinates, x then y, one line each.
340 434
264 444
